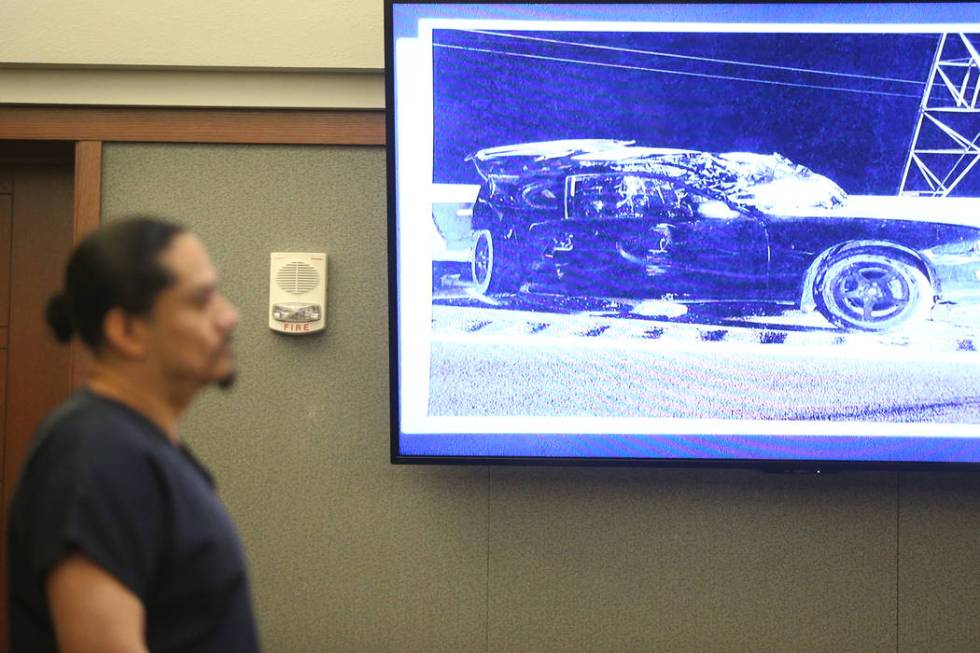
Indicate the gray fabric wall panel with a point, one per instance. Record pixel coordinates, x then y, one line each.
351 554
674 560
939 556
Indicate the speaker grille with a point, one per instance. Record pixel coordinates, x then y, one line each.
297 278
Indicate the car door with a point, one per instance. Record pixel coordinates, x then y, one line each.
713 252
688 245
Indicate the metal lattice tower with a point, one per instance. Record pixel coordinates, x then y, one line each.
944 150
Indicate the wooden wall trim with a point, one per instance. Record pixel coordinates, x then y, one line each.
259 126
87 215
88 187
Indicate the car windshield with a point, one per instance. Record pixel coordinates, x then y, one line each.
765 182
773 182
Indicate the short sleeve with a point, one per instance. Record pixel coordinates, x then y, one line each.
101 496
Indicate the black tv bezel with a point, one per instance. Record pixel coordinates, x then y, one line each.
794 466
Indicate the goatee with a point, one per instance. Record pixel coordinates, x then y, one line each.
228 381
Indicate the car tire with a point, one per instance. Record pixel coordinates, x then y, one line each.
873 291
495 263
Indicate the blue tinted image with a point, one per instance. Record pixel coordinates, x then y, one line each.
722 243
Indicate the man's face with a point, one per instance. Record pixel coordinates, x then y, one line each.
190 324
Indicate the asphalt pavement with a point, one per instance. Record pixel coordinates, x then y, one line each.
566 356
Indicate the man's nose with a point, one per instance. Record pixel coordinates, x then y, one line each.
229 316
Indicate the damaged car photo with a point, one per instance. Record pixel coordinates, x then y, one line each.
613 218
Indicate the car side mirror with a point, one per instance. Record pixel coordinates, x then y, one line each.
717 210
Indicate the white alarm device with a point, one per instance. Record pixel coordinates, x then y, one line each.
297 292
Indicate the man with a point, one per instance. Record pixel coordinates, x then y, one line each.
117 541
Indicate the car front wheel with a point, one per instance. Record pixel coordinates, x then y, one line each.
496 266
873 291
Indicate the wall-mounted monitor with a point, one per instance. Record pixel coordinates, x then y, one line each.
684 233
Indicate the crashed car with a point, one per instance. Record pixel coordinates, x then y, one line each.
612 217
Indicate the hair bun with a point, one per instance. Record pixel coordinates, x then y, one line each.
58 315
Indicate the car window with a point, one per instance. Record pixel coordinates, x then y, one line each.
618 196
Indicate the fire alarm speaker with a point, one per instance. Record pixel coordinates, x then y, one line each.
297 292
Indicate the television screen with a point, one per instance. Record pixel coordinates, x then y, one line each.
691 233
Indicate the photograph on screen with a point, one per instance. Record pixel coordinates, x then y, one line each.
674 228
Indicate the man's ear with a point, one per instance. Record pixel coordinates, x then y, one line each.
125 333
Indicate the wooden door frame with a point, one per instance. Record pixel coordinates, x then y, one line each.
91 127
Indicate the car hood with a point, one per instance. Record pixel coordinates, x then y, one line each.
963 211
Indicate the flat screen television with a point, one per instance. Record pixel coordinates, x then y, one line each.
743 234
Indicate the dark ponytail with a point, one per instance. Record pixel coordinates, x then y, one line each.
58 316
116 266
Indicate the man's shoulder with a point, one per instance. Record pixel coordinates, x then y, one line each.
86 423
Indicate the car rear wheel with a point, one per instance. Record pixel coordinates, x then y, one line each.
873 291
495 267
